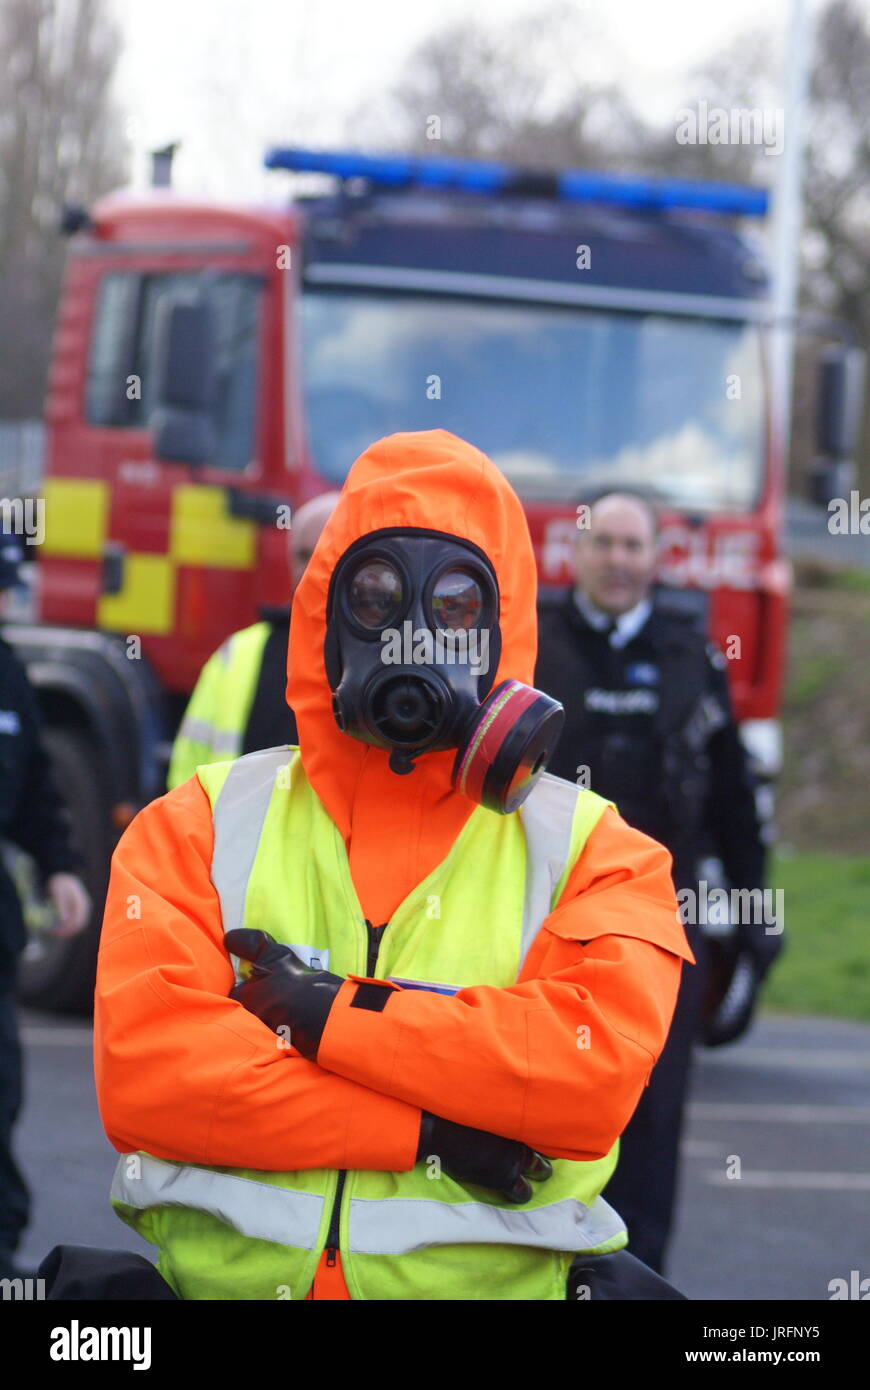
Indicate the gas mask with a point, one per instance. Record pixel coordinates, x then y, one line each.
412 647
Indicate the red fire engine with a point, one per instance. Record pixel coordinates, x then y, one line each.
214 366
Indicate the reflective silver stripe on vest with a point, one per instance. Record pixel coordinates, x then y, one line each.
254 1209
239 814
219 740
547 815
398 1225
388 1226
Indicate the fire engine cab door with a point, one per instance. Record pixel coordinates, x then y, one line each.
184 556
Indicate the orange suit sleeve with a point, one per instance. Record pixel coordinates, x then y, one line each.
183 1071
560 1059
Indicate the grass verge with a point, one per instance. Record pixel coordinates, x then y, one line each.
824 967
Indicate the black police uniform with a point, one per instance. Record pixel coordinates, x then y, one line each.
649 726
33 818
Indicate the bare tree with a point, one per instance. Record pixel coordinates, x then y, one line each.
838 167
746 74
521 93
516 93
60 140
741 76
835 250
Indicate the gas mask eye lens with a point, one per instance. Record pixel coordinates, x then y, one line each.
457 601
375 594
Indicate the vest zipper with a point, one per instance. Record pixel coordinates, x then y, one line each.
375 935
332 1237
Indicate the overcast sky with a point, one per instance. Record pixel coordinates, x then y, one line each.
226 77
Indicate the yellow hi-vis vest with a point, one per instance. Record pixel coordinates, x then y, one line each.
280 866
214 723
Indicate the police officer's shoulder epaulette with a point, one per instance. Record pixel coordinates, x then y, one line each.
681 619
552 595
278 614
10 654
689 607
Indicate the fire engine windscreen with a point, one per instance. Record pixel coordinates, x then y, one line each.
564 400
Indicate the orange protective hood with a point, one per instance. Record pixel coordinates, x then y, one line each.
398 828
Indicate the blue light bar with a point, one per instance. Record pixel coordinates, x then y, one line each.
575 185
729 199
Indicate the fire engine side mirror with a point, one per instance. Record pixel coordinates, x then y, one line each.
838 416
183 419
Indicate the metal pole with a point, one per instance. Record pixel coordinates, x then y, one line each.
788 217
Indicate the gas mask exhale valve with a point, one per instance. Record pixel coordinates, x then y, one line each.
412 647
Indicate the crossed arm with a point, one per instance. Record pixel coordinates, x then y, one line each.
186 1073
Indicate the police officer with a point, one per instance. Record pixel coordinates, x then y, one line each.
649 726
32 817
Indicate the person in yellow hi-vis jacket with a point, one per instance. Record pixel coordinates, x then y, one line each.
238 704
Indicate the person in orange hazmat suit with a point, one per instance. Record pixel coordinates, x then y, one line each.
330 978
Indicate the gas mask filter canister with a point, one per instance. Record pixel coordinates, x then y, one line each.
412 646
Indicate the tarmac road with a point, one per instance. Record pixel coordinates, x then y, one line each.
791 1102
788 1108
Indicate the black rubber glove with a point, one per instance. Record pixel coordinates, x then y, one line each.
764 946
739 1000
282 990
735 971
473 1155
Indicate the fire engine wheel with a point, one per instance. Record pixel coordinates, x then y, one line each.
55 974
